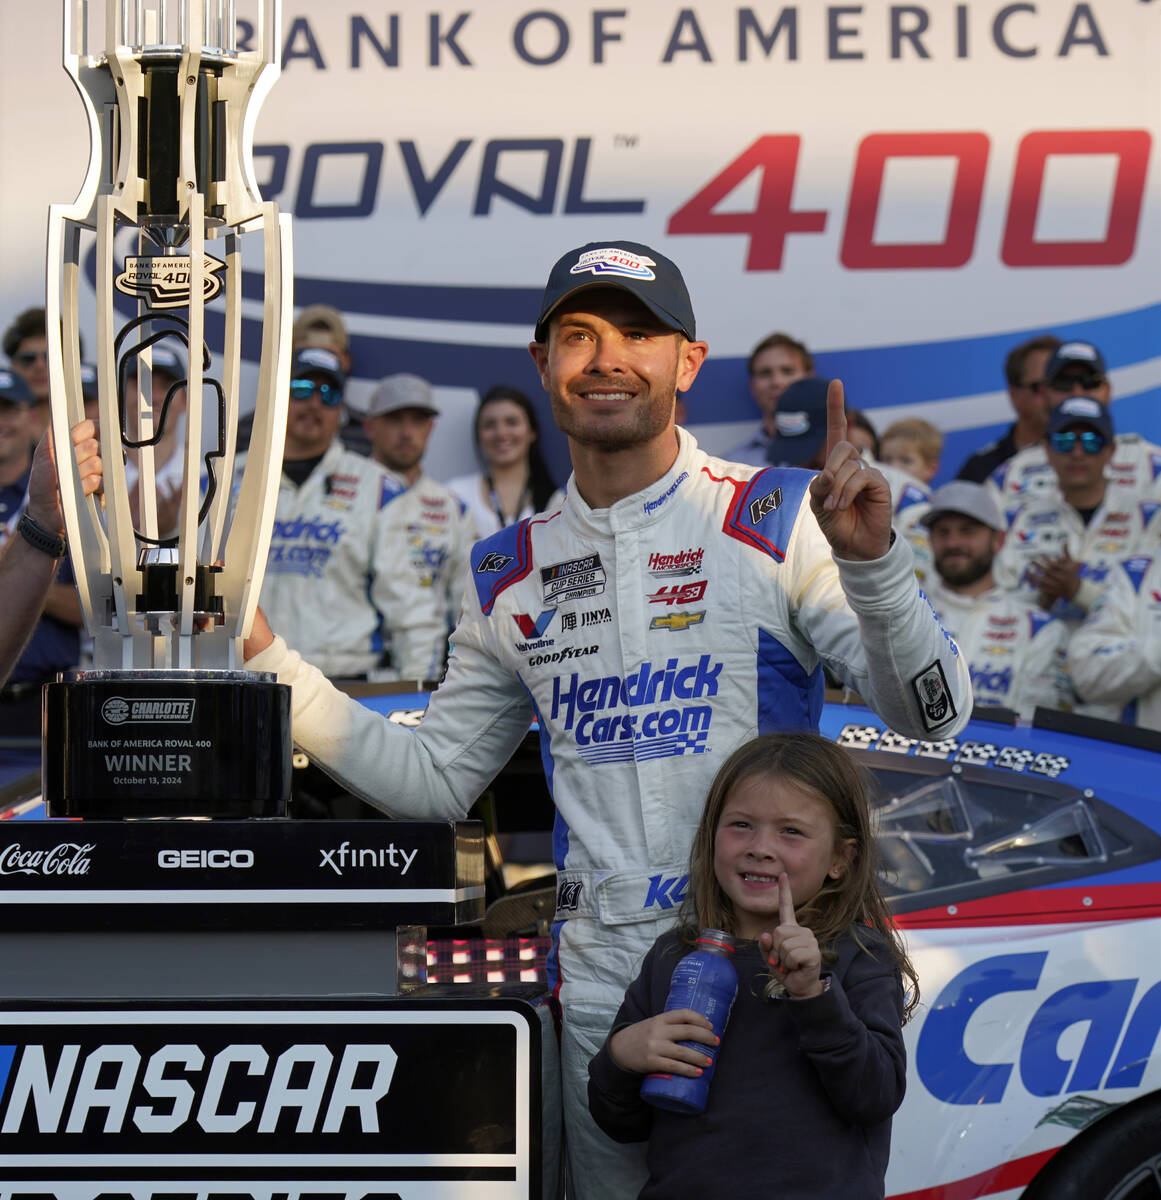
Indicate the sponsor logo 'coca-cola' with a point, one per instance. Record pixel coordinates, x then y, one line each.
65 858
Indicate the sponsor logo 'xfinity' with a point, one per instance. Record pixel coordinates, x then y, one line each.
622 736
378 857
66 858
117 710
1103 1012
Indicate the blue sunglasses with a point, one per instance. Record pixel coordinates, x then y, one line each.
303 389
1091 442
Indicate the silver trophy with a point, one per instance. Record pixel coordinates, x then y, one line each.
169 562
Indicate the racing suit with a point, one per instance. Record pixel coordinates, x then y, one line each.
439 536
1115 656
650 639
333 580
1047 525
1015 650
1136 465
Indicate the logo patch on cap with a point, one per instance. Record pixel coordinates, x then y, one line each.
609 260
1076 352
792 424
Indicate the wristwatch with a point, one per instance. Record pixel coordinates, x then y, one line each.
39 538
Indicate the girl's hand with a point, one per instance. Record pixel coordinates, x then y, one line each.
792 949
652 1045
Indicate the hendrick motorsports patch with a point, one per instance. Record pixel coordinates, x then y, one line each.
934 698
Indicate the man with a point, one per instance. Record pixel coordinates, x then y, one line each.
30 558
1061 541
774 364
674 607
333 576
399 421
1024 374
1077 369
26 345
55 642
1115 656
1016 652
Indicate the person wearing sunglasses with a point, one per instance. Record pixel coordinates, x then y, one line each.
26 346
1060 543
1078 369
336 574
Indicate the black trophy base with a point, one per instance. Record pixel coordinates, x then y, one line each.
137 744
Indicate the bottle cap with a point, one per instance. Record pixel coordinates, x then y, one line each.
716 937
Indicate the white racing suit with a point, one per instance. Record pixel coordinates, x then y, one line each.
335 582
1135 465
650 639
1015 650
1115 656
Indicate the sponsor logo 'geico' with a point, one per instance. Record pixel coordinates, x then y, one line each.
185 859
1029 1031
195 1090
375 857
579 702
66 858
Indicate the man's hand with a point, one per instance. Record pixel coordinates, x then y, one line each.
43 492
259 638
851 501
654 1045
1054 579
792 949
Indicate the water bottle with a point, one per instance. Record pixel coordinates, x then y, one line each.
705 981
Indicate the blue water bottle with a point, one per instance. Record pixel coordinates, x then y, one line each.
705 981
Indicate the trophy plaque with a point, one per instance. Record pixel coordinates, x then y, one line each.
169 562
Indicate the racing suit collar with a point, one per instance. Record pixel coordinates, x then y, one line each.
645 507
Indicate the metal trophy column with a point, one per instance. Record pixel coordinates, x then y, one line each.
169 565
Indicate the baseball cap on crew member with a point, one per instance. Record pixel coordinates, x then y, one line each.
321 317
316 360
88 381
799 423
967 499
1069 354
397 392
634 268
14 389
167 362
1081 410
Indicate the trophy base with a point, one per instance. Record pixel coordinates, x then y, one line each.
139 744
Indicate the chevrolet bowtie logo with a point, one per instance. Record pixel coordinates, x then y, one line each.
677 620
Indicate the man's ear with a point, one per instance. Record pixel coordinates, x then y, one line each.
539 352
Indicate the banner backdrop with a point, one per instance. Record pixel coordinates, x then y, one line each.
911 189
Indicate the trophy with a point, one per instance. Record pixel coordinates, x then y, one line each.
169 562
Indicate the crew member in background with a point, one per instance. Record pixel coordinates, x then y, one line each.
583 615
401 414
1024 374
1016 651
26 346
1062 540
1077 369
1115 655
335 576
774 364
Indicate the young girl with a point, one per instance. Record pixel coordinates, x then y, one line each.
811 1066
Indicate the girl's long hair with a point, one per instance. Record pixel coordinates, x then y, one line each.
540 481
828 772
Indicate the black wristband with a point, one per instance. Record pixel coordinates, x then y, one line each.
39 538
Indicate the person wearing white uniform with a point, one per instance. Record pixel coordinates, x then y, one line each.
1015 650
1115 655
583 617
401 414
1077 369
1060 543
335 576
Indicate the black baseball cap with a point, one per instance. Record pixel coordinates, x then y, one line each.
317 360
14 389
634 268
799 423
1070 354
1081 410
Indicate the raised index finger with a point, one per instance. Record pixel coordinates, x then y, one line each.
836 416
785 902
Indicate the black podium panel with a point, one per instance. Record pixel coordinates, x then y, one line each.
255 874
424 1097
